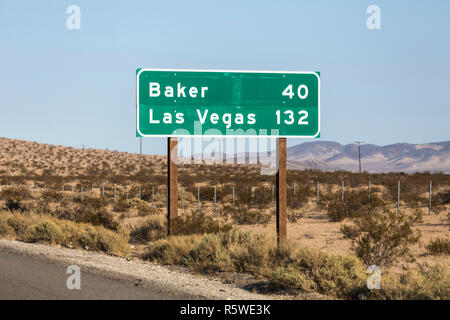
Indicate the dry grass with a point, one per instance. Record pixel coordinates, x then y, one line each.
32 227
294 269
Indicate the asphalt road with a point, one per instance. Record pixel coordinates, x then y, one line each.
25 277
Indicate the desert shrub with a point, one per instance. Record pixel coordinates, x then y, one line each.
31 227
207 193
285 268
152 229
142 207
197 222
438 246
15 193
20 222
290 280
5 229
442 197
337 210
414 198
14 205
45 231
295 269
242 214
381 238
349 231
354 203
262 197
97 216
95 238
51 196
302 192
294 216
312 270
226 251
100 218
244 195
423 283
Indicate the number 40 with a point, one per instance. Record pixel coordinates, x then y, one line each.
302 91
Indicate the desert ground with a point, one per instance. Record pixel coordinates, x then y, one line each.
126 193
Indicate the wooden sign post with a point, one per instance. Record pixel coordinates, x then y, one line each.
172 183
281 186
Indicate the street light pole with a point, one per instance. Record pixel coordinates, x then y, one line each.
359 154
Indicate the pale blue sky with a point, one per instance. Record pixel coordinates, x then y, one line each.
78 87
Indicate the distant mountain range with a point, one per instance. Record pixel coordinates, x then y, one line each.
330 156
399 157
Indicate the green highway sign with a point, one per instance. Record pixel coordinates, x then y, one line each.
212 103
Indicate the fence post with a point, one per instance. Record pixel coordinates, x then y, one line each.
182 196
233 196
139 195
198 197
398 196
318 192
429 198
153 196
45 188
215 197
71 189
342 191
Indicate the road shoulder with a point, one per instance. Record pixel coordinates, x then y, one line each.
140 273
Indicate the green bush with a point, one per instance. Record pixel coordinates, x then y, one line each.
382 237
353 204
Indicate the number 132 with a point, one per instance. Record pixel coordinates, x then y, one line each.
290 118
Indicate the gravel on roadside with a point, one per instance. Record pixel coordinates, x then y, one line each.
139 273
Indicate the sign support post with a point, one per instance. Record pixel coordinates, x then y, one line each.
172 183
281 186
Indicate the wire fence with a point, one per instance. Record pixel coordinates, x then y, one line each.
212 195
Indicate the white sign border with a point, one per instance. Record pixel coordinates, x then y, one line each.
223 136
